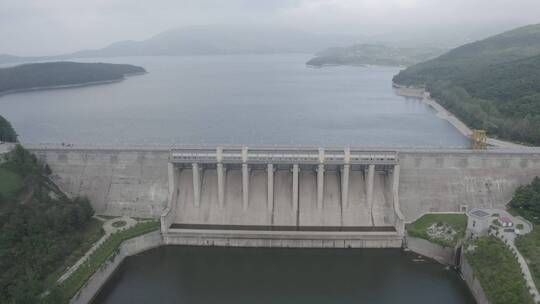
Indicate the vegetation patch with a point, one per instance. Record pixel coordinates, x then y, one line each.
38 231
526 201
10 184
119 224
7 133
90 235
444 229
498 271
529 246
106 251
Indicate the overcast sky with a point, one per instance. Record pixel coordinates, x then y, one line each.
43 27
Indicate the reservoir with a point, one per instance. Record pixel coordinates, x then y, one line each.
177 274
240 99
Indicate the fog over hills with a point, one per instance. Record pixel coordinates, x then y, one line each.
205 40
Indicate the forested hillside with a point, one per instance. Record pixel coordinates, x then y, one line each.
40 228
51 74
493 84
7 134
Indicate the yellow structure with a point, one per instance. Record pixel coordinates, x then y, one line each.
479 140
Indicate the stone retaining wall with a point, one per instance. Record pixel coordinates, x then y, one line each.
443 255
473 283
283 240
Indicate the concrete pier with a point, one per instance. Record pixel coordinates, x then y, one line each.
221 184
295 188
270 187
369 185
345 185
220 177
320 186
196 184
245 186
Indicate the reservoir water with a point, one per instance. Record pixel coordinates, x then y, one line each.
247 99
247 275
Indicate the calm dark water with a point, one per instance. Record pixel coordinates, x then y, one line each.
247 99
208 275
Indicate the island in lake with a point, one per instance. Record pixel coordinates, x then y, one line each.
49 75
373 54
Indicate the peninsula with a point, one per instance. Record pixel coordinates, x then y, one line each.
51 75
373 54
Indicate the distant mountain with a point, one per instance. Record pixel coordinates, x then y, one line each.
204 40
57 74
491 84
374 54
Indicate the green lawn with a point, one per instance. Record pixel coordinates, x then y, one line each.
499 272
529 246
458 222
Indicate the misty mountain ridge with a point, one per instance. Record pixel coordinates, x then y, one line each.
512 45
211 40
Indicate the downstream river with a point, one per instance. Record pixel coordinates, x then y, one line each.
247 99
179 274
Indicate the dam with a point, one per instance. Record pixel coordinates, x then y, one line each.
287 196
308 195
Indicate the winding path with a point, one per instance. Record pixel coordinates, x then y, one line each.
109 229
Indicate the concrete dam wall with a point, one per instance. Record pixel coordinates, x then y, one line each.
134 182
117 182
445 181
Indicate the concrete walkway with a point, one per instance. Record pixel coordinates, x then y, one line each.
109 229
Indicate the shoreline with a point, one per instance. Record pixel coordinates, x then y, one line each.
443 113
69 86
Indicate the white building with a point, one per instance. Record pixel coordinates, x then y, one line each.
478 222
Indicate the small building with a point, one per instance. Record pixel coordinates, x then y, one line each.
478 222
506 221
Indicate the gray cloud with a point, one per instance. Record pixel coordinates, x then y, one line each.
38 27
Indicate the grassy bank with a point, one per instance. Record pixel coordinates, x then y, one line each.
529 246
499 272
419 228
106 251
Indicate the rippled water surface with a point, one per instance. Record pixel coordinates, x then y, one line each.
248 99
